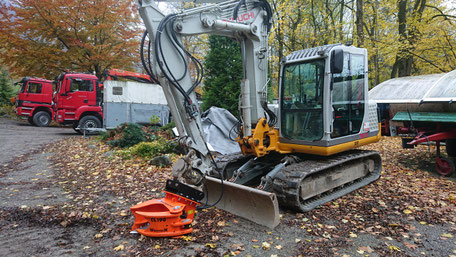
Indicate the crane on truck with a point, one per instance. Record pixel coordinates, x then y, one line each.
114 74
300 159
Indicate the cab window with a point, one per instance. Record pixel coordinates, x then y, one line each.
348 97
34 88
81 85
302 103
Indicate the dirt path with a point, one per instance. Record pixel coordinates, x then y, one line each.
26 184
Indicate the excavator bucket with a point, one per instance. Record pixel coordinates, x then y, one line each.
255 205
171 216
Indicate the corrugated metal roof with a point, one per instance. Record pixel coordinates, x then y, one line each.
306 53
416 89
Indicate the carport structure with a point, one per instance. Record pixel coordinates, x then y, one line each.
421 109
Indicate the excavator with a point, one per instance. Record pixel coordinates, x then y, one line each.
299 158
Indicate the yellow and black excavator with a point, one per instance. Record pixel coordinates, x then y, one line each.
299 158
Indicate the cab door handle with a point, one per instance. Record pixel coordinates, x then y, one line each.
86 101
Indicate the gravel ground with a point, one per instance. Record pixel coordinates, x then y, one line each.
26 180
29 182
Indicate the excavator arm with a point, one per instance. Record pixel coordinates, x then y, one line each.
247 21
167 61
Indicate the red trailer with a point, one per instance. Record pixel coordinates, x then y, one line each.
431 127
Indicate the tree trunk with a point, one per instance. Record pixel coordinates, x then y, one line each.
403 64
341 21
359 22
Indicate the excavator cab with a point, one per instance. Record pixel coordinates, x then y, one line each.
323 105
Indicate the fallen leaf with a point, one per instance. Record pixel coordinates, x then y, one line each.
186 238
119 248
394 248
278 247
239 247
98 235
447 235
266 245
411 246
366 249
353 235
210 245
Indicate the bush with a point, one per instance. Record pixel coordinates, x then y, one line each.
152 149
7 110
132 135
154 120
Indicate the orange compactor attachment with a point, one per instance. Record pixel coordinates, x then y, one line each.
170 216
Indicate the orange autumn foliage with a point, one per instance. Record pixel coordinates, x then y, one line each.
46 37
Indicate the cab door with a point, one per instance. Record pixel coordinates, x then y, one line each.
80 92
33 93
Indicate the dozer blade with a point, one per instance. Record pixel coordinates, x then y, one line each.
255 205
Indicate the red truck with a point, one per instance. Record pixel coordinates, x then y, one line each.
34 101
78 100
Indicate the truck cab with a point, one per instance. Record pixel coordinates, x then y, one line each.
78 101
34 101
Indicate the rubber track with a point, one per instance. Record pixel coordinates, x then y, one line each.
287 182
223 160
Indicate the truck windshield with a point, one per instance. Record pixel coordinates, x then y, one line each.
22 85
302 100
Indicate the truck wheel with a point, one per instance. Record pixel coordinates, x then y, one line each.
451 147
89 121
42 119
30 120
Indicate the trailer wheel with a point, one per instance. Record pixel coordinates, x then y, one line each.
89 121
451 147
30 120
42 119
445 167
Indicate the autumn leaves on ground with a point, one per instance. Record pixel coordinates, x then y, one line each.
408 211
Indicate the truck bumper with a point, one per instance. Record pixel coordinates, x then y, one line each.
24 111
62 118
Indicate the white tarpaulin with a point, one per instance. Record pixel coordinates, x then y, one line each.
217 125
